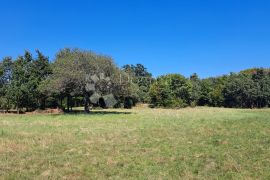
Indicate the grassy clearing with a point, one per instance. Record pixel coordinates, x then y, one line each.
203 143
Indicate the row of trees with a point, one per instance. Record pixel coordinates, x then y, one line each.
20 80
75 78
84 78
247 89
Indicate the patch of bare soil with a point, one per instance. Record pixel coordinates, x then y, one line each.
47 111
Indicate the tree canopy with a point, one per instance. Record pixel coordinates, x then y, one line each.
84 78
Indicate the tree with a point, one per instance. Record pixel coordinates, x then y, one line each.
206 89
78 77
5 79
18 89
211 91
248 89
25 77
83 73
171 90
260 79
265 86
195 90
68 76
240 91
142 78
41 71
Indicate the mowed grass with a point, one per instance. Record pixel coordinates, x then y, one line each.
199 143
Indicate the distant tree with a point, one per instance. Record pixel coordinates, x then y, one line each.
195 90
265 87
247 90
206 89
142 78
239 91
24 77
41 71
18 91
211 93
171 90
261 82
5 79
216 95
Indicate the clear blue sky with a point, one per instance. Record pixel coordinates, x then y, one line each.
210 37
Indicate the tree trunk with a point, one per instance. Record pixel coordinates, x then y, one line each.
86 103
42 103
61 102
68 103
18 110
17 106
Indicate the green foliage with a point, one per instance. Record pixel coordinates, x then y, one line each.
22 82
82 73
196 90
248 90
29 82
5 78
171 90
4 103
27 74
141 78
212 91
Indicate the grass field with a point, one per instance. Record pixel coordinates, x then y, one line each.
199 143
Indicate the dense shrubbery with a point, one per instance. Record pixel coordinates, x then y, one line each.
142 81
31 83
247 89
171 91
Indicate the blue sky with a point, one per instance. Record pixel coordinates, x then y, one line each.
210 37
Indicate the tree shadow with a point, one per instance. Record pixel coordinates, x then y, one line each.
75 112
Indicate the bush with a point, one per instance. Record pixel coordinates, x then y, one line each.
128 103
4 104
173 91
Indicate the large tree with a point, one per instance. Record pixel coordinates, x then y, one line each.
84 73
20 87
25 75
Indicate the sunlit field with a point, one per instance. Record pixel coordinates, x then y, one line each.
199 143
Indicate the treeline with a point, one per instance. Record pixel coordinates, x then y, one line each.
75 78
82 78
247 89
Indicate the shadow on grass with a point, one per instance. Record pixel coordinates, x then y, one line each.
75 112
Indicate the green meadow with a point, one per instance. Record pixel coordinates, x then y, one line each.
142 143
